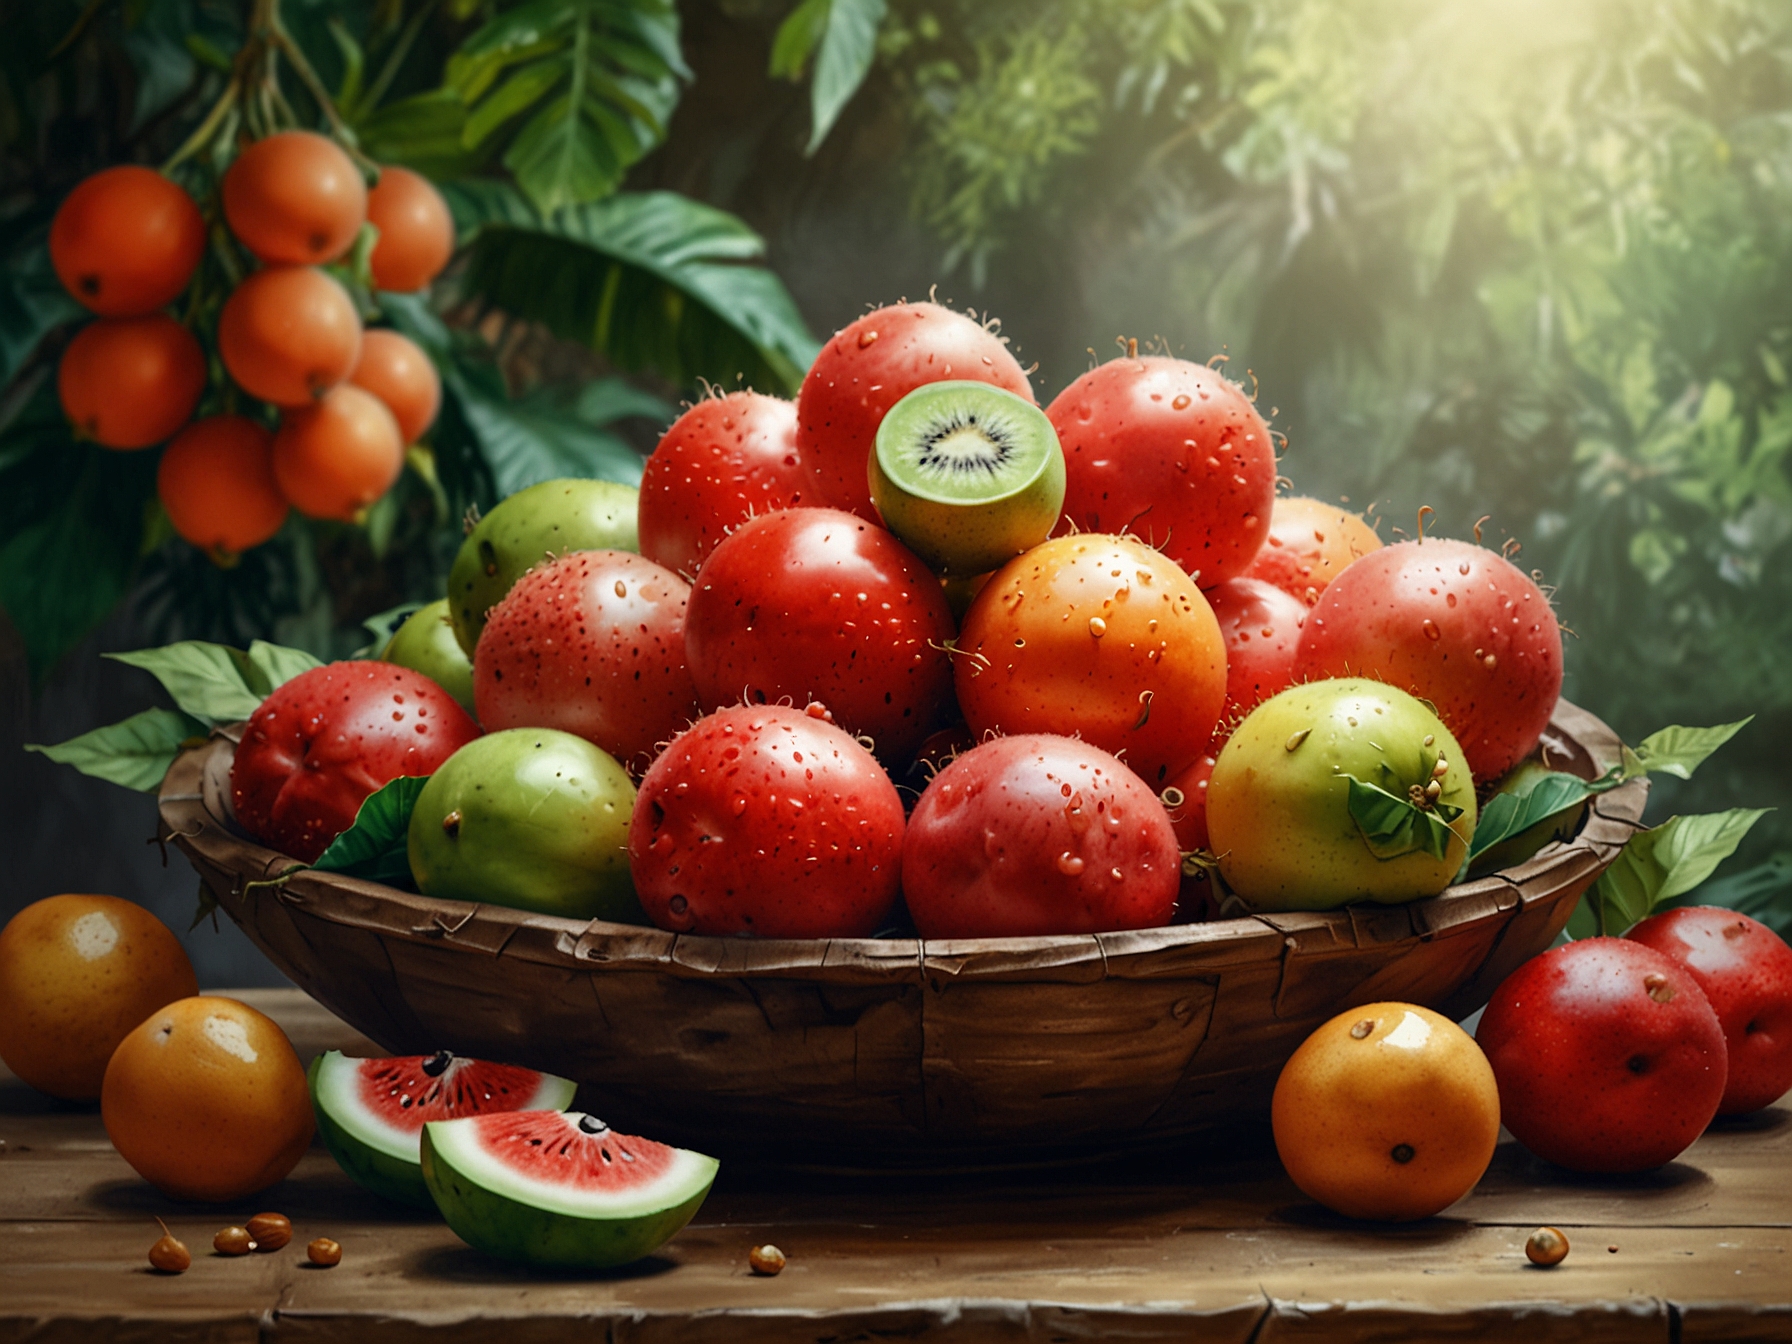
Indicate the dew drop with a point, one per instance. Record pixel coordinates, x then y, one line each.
1069 864
1431 631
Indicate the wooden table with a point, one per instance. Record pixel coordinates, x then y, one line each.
1224 1248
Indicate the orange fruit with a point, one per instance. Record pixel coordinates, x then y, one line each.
289 334
335 458
207 1100
416 231
76 974
216 482
129 382
401 375
295 198
1308 545
126 241
1388 1111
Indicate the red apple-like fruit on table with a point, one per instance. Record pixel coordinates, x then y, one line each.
1607 1054
1745 969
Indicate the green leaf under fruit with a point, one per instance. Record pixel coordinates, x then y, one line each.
1670 860
1679 751
209 681
374 848
135 752
1392 826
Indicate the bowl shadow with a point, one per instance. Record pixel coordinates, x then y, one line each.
463 1264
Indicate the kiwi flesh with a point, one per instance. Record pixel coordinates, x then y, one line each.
967 475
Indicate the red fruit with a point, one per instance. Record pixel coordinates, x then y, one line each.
723 461
320 744
399 374
1187 805
1173 453
1308 545
216 482
1745 969
126 241
592 644
868 367
336 458
1038 834
1607 1055
1452 623
289 334
1099 637
766 820
129 382
416 231
295 198
1261 625
815 604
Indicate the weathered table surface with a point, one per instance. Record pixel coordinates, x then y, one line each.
1224 1248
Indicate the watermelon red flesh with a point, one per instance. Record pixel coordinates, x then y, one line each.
403 1095
554 1147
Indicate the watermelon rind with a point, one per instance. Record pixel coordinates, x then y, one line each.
370 1152
505 1214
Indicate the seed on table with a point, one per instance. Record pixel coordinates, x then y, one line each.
233 1241
270 1231
1546 1246
766 1260
324 1252
170 1254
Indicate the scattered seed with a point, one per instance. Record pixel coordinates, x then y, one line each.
1295 739
324 1252
1658 987
270 1230
1612 1249
170 1254
766 1260
1362 1029
233 1241
1547 1246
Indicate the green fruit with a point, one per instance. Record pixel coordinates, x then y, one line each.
967 475
531 818
426 643
552 518
1280 808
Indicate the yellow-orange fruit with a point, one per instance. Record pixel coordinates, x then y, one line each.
216 482
1308 545
126 241
130 382
334 459
295 198
399 374
416 231
289 334
77 973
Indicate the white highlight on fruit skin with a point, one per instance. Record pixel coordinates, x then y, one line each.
1411 1034
228 1035
93 935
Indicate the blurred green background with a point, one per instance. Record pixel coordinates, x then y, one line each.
1523 259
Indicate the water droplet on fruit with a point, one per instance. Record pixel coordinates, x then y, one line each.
739 804
866 339
1462 568
1097 627
1069 864
1659 988
1491 662
1295 739
1431 630
1182 402
621 588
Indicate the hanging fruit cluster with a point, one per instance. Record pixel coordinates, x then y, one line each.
309 411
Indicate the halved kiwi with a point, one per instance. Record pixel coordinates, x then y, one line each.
968 475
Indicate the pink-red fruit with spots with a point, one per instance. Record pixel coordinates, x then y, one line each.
1452 623
868 367
320 744
768 821
1609 1058
1745 969
1173 453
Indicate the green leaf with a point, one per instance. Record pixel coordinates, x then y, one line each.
425 132
540 439
1541 797
1679 751
649 280
847 49
32 304
797 38
1657 865
383 626
135 752
374 847
1392 826
211 682
277 664
1763 892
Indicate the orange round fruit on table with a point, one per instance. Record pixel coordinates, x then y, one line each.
289 334
76 974
401 375
295 198
1308 545
216 482
130 382
126 241
334 459
1389 1112
416 231
207 1100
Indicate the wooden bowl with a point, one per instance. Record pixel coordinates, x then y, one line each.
879 1053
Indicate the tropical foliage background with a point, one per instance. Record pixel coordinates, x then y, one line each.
1522 258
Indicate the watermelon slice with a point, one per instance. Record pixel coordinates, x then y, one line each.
560 1188
371 1112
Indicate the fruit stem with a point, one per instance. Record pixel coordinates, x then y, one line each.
371 96
282 40
206 129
